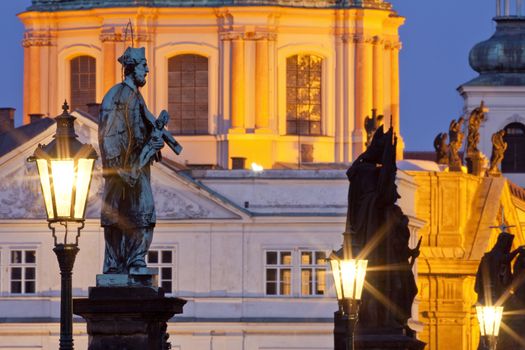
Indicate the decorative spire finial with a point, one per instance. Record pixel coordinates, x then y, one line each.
503 227
65 107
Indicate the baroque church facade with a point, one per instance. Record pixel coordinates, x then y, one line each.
279 83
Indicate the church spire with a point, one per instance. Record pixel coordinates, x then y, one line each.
504 8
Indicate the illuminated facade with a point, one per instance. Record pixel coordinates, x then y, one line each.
269 81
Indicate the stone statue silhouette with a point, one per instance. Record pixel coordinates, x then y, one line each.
441 147
130 139
456 136
379 233
499 146
371 125
477 116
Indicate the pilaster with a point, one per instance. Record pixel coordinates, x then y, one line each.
109 37
262 122
363 93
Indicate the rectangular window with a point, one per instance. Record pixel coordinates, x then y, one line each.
313 272
278 273
164 260
22 272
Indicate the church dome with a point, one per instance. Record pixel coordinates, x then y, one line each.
504 52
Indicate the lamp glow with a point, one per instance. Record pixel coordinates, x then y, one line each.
489 318
257 168
349 277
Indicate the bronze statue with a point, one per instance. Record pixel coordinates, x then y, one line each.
477 116
379 232
456 135
499 146
371 125
130 138
441 147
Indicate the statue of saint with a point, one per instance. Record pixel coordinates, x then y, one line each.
441 147
371 125
130 138
477 116
455 136
379 233
499 146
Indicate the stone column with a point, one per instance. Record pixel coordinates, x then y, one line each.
33 43
378 75
394 85
109 38
363 92
238 85
261 85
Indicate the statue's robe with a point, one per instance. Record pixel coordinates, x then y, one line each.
128 211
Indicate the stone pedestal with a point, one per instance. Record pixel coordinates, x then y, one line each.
475 164
380 339
124 314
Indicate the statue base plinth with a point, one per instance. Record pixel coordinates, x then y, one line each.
137 277
475 164
132 318
382 339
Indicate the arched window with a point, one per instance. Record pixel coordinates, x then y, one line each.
83 82
514 159
188 94
303 95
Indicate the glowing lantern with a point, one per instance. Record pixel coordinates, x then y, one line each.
65 167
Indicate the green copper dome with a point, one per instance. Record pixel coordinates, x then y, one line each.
500 60
60 5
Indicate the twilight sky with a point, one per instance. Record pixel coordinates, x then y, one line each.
437 37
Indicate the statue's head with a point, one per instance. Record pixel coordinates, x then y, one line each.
504 243
135 65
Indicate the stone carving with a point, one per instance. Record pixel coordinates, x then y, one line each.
441 147
127 133
474 157
499 146
455 135
371 125
379 232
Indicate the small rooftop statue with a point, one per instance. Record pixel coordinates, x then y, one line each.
130 138
442 149
456 136
499 146
371 125
474 157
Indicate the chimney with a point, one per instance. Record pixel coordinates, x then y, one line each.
93 109
34 117
7 119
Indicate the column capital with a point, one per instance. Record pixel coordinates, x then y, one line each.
38 39
393 45
110 34
377 40
362 39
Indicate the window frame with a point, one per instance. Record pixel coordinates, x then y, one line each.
518 167
295 272
314 267
287 104
70 80
160 265
23 265
173 110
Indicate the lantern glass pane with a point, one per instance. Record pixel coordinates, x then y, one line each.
63 172
84 172
353 272
45 180
360 278
489 318
336 272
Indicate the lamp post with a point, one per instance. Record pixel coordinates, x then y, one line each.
349 278
65 167
489 318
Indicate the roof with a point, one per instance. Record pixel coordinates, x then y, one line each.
61 5
12 139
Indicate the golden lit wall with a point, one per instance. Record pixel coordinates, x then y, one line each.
247 49
459 210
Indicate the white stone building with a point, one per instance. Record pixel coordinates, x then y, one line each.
244 249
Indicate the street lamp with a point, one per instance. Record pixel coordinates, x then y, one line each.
349 279
65 167
489 318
